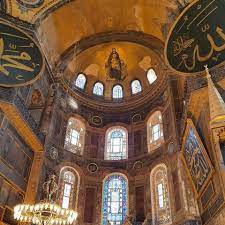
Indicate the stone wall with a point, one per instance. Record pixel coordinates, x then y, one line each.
16 156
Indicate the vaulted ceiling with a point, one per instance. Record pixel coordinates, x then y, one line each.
63 23
87 30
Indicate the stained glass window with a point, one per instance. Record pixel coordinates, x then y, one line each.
80 81
136 87
98 89
161 211
114 200
74 140
116 144
68 185
151 75
155 130
117 91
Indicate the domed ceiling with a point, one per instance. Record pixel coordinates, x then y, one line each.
62 22
90 29
95 63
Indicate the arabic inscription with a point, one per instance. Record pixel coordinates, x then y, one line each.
198 37
21 61
196 159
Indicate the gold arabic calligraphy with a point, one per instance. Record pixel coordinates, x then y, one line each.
181 45
12 61
196 161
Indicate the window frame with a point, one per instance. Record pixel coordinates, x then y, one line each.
77 125
159 175
123 144
103 89
105 181
75 83
122 91
155 119
74 184
148 78
131 86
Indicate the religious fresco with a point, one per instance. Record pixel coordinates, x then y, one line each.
197 37
196 159
21 61
115 66
131 61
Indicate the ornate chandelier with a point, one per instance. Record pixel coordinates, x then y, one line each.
47 212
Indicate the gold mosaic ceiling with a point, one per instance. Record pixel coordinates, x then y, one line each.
92 62
62 24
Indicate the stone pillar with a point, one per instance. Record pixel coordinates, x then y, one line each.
218 135
34 178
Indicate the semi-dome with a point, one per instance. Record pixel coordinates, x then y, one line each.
114 74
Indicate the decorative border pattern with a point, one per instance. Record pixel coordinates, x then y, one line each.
92 167
96 120
207 195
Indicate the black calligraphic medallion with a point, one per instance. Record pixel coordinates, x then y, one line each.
197 37
21 60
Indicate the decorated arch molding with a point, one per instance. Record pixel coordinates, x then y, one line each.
132 36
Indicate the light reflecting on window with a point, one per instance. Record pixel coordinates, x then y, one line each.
161 211
98 89
151 75
74 137
75 134
80 81
136 87
160 195
116 144
155 130
117 91
68 185
66 196
114 200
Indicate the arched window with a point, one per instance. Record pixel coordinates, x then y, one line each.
161 211
80 81
98 89
75 134
116 144
155 130
151 75
117 91
68 187
115 199
136 87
